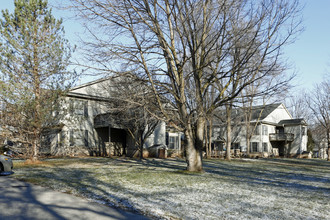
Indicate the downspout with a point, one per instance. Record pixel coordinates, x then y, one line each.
300 142
286 145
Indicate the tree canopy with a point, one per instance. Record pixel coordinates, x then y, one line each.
34 56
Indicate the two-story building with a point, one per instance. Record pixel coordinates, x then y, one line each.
83 125
272 130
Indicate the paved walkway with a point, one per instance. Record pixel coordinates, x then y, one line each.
20 200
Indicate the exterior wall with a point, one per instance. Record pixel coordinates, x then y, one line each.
321 148
240 138
280 113
265 143
262 138
299 143
158 137
78 135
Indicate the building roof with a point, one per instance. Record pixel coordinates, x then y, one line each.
90 83
260 112
298 121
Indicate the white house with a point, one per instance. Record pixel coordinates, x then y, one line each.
87 128
321 148
274 131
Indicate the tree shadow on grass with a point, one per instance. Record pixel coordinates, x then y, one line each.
266 174
26 201
105 191
82 182
259 172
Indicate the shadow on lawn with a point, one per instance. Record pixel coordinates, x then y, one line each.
303 162
154 162
275 173
83 183
265 173
284 173
260 172
26 201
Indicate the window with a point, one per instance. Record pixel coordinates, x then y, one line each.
78 107
86 109
71 138
265 147
303 131
218 146
86 138
256 130
216 132
62 138
254 146
46 140
235 146
172 142
77 137
264 130
71 106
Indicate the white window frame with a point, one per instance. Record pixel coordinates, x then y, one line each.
265 146
264 130
254 145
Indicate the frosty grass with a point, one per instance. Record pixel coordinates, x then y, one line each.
161 189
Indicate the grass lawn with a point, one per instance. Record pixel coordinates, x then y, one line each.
237 189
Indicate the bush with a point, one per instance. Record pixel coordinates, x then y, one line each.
3 148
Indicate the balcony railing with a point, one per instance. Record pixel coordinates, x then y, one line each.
281 137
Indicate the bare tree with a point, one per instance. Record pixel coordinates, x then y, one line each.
298 106
182 48
319 102
128 106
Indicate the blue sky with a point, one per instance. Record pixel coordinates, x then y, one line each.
310 54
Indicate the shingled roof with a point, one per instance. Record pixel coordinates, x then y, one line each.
259 113
298 121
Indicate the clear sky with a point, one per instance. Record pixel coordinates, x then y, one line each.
310 54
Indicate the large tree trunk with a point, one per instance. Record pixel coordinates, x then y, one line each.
193 157
201 121
34 156
193 141
194 146
247 144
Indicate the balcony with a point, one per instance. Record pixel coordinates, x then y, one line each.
281 137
